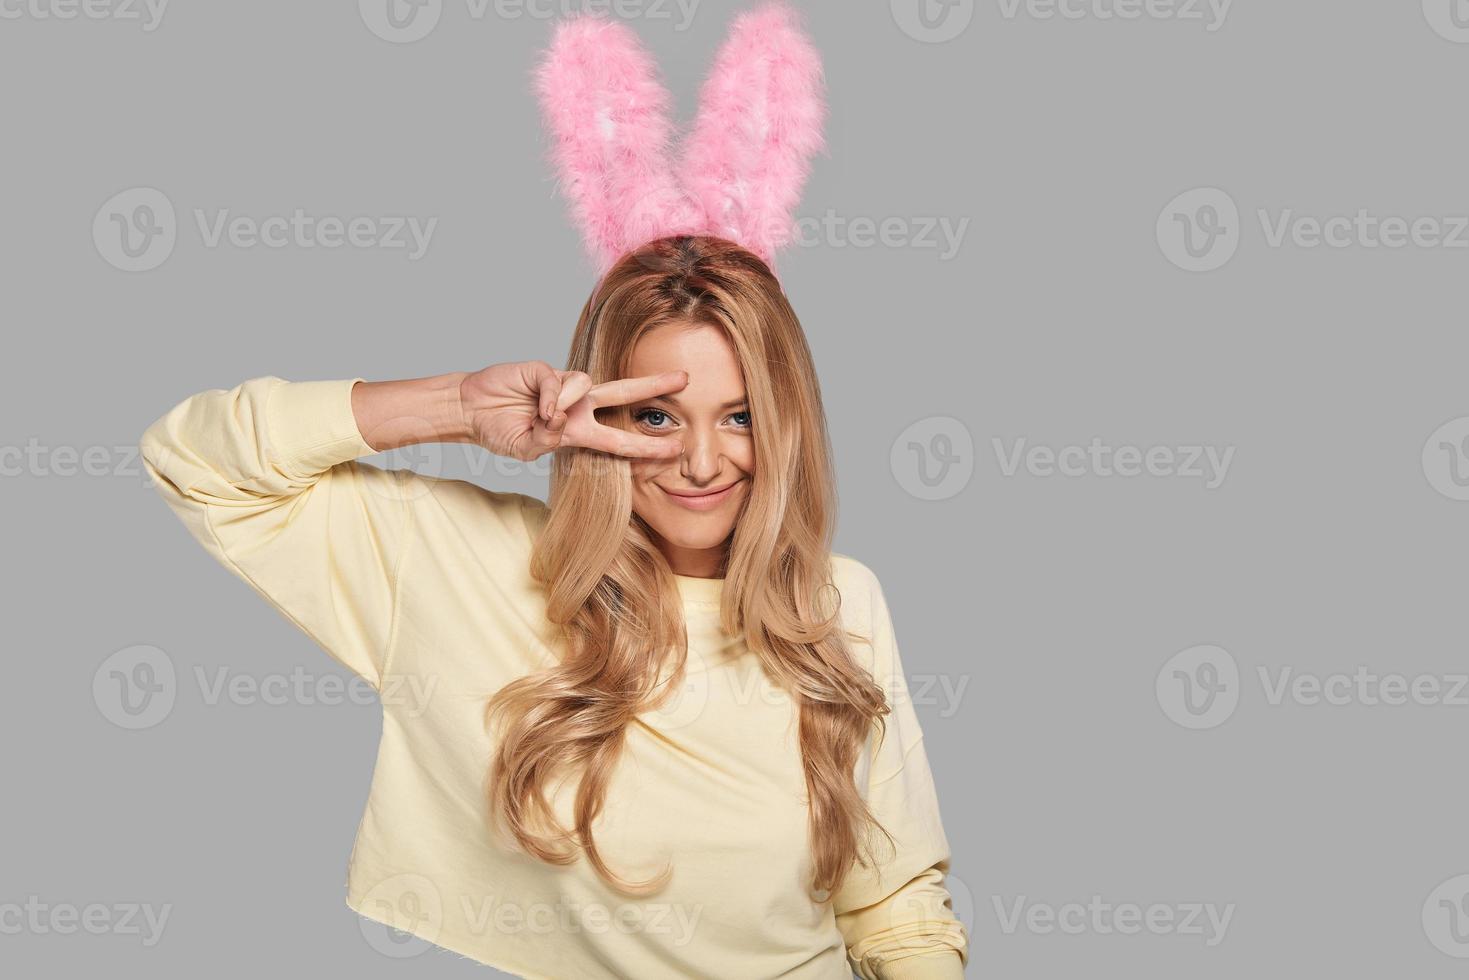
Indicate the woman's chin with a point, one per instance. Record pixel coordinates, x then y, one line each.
693 532
699 539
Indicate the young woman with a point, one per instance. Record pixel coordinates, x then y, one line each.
652 728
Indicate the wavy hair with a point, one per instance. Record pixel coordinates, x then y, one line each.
613 594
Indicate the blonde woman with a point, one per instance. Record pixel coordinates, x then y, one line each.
669 734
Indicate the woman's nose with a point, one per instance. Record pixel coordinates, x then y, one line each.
700 460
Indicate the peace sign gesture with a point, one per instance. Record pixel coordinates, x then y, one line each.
525 409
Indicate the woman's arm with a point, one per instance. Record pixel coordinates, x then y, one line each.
897 917
912 934
264 477
392 414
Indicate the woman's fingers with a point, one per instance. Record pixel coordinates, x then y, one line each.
544 437
546 383
625 390
620 442
572 386
553 427
603 438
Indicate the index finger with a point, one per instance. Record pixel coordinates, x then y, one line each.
625 390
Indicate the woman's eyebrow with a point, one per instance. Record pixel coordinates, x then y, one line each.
673 400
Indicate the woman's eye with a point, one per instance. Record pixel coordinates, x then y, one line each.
651 413
655 419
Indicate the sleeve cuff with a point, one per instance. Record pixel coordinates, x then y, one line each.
943 964
312 427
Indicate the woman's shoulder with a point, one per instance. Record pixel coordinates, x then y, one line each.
854 573
859 588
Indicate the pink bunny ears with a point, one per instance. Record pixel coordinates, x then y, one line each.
739 172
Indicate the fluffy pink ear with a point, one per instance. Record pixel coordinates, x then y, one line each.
608 117
761 114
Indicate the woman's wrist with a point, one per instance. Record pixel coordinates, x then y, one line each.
392 414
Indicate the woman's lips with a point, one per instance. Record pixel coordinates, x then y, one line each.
707 501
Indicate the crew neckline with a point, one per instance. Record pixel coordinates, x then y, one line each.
704 591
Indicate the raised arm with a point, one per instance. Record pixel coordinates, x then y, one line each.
266 478
392 414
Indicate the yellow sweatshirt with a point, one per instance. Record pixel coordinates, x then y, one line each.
420 585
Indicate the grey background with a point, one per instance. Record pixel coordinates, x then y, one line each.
1054 600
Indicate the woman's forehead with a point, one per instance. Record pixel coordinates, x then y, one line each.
701 349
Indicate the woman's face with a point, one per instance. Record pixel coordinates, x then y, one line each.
693 501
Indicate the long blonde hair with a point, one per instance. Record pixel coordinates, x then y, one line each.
613 594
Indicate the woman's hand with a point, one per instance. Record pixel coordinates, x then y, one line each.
525 409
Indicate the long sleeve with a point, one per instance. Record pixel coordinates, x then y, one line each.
897 918
264 476
910 935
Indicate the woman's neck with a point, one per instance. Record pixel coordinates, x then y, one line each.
695 562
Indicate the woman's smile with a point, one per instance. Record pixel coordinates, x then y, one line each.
702 499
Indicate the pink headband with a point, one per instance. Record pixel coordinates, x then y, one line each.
739 172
